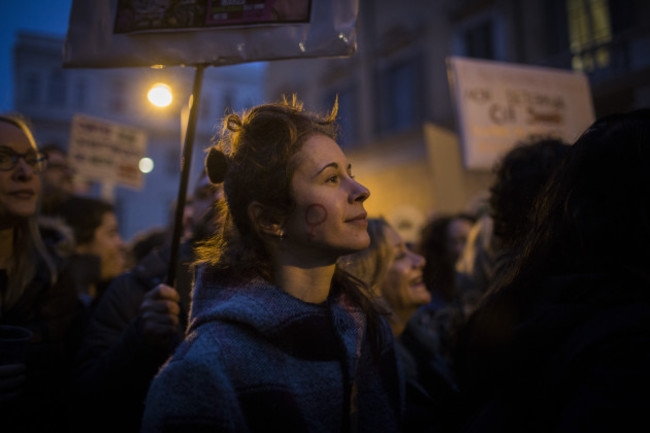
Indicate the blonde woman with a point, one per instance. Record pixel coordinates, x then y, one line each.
29 295
393 274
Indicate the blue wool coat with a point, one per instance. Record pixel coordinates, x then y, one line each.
258 359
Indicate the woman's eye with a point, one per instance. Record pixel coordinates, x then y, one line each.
332 179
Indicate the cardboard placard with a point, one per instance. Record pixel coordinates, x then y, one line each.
107 151
499 104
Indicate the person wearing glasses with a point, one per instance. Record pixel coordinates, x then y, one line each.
31 294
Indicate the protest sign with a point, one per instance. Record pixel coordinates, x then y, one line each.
121 33
107 151
499 104
202 33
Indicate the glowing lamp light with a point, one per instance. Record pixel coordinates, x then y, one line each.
146 165
160 95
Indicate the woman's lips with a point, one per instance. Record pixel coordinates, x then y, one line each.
23 194
361 219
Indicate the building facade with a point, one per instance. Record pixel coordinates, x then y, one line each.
396 110
50 96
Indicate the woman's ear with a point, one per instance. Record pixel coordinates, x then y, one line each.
264 220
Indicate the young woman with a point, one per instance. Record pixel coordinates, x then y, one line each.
30 296
393 273
279 338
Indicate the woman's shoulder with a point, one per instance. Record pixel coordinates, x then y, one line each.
192 389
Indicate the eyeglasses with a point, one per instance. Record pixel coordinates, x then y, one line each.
9 160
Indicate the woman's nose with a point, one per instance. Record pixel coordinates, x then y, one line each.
359 192
418 260
23 170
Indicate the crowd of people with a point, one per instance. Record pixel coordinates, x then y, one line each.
294 310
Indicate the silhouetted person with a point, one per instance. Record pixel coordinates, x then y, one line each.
561 341
393 274
520 176
136 326
98 247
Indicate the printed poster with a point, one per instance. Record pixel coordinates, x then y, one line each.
107 151
499 104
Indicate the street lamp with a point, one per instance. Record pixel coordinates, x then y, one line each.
146 165
160 95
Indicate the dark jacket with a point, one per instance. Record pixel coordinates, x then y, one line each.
54 314
572 356
256 359
115 365
431 391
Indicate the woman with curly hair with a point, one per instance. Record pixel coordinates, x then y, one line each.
561 342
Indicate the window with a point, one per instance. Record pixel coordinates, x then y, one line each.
57 89
400 87
479 40
589 31
481 34
555 18
32 89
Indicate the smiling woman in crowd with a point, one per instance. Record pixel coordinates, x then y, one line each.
394 275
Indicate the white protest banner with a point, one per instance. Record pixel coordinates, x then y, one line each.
107 151
124 33
499 104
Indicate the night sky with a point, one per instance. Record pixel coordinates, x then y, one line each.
43 16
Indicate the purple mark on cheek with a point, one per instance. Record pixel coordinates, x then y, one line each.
315 215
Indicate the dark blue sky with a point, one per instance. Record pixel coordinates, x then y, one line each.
44 16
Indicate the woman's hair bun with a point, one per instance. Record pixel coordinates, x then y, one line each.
216 165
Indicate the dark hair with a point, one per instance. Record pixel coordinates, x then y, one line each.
520 176
255 158
438 272
259 149
594 214
84 215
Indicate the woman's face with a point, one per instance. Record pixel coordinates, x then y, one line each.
329 219
108 245
20 186
403 286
